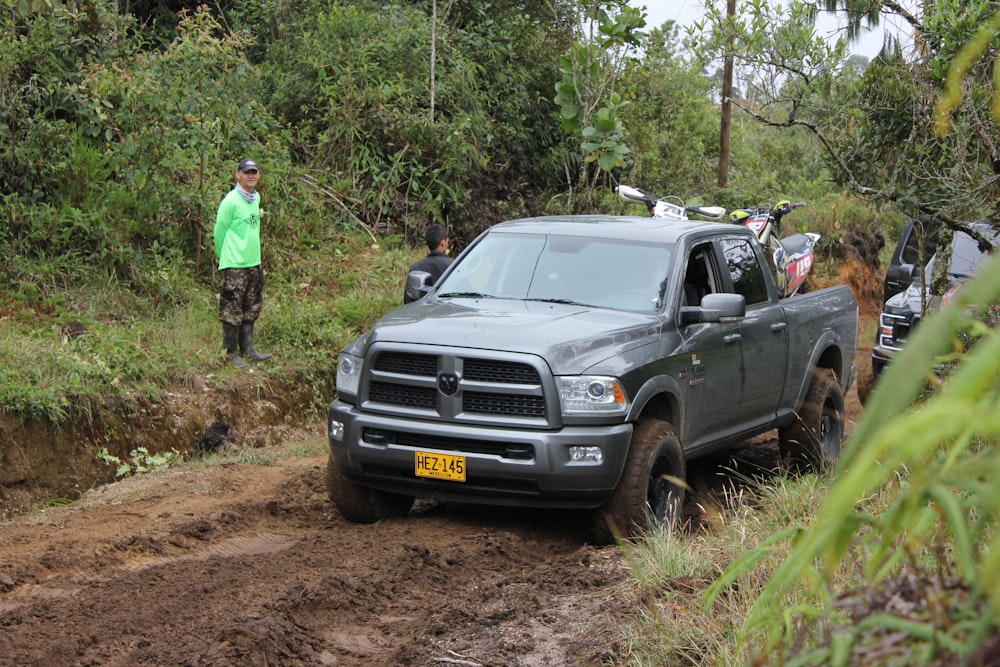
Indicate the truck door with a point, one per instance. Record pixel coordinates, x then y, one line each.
708 365
764 334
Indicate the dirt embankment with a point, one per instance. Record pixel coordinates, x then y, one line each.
45 463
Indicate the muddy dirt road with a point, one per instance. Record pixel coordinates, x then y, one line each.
249 564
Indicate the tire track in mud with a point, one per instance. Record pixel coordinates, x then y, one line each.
261 544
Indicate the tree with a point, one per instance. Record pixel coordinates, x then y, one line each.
672 120
588 93
877 132
200 95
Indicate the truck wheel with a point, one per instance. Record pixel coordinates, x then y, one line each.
812 442
361 504
651 490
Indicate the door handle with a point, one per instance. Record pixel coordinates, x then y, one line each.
779 326
732 338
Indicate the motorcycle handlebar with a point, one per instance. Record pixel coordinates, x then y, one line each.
710 212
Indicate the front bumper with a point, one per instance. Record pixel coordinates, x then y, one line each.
518 467
880 359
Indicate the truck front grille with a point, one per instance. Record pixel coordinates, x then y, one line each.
457 387
893 331
483 370
424 365
396 394
498 404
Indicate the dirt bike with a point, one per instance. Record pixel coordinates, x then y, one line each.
793 255
669 207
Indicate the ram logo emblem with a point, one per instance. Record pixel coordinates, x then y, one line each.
448 383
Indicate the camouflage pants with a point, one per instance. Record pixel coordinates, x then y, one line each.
242 295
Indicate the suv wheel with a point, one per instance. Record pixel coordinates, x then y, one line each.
361 504
650 492
812 442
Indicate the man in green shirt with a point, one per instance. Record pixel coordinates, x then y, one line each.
237 245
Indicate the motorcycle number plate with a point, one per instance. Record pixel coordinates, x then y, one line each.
439 466
757 223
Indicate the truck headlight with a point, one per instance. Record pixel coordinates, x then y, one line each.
591 395
348 374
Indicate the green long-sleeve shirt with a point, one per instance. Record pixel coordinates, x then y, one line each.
237 232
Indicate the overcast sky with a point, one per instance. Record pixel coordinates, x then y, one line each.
687 11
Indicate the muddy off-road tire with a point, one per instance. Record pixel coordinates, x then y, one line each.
361 504
650 493
812 442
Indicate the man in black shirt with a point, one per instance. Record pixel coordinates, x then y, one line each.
437 259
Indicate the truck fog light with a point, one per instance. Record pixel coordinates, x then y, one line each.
582 454
336 430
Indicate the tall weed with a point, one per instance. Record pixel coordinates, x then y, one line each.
934 535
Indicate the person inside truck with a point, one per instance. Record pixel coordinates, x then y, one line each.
696 279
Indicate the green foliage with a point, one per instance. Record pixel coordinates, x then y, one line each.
984 22
42 65
127 151
588 94
139 461
202 97
672 127
26 8
354 84
74 342
602 140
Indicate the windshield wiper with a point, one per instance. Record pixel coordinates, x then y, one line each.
465 295
564 302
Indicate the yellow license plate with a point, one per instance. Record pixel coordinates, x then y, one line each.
439 466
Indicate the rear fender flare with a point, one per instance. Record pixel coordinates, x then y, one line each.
826 353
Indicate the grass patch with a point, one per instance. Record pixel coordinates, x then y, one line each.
674 571
67 349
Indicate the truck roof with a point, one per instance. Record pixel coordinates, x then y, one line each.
625 227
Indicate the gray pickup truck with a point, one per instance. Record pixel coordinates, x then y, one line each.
579 362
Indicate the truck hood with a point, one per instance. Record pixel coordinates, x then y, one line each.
908 301
571 338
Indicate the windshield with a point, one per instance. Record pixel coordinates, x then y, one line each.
966 255
607 273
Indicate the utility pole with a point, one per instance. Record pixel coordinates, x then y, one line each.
434 22
727 92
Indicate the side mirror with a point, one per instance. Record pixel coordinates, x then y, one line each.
716 308
907 274
418 284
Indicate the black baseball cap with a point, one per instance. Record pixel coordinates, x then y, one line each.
247 164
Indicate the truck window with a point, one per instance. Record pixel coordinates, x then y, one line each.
745 270
911 249
699 278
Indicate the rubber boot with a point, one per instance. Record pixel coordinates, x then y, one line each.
230 336
246 343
